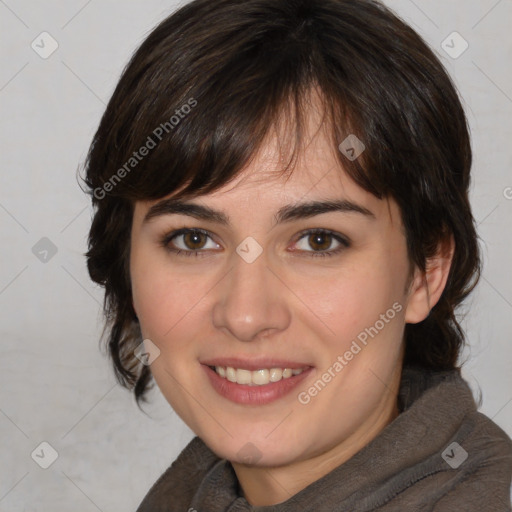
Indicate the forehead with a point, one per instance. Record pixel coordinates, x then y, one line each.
317 173
261 193
316 169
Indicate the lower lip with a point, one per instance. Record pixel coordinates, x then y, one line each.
254 395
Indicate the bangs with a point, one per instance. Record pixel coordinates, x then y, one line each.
217 81
216 137
172 126
206 151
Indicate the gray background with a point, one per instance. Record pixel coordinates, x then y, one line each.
55 384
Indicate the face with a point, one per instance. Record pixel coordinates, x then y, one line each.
266 288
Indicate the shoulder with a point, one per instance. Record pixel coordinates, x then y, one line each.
177 485
481 467
490 444
464 456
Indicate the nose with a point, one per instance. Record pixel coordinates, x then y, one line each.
251 301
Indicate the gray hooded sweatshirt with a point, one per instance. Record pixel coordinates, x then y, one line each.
438 455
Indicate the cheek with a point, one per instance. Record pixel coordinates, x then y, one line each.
168 300
354 299
160 304
359 294
157 294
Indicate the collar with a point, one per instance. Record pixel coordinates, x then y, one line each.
432 407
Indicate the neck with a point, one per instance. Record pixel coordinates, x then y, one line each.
263 486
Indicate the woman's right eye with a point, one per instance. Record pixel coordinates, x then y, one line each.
187 241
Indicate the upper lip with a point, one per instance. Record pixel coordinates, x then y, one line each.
254 363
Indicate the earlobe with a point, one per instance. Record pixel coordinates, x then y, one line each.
427 286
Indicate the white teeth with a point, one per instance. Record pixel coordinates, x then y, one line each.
276 374
243 376
260 377
231 374
257 377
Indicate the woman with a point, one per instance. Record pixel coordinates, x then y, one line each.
283 230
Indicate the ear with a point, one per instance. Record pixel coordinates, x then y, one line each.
427 286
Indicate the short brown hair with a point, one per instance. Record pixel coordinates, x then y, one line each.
238 66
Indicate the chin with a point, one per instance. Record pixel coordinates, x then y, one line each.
253 451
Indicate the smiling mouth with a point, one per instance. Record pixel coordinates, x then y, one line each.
259 377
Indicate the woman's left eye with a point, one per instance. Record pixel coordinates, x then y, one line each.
321 240
192 242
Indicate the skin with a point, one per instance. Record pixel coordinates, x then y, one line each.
285 304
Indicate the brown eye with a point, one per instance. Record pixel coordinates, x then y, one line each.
194 240
319 242
188 242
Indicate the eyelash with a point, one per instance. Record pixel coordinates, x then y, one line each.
167 239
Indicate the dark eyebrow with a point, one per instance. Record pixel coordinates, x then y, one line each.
305 210
287 213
